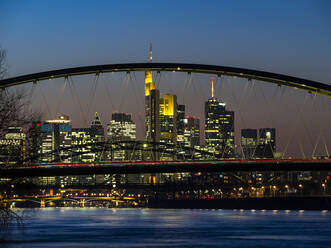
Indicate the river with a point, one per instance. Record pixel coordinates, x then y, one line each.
103 227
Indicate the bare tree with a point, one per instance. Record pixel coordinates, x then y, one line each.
3 65
13 112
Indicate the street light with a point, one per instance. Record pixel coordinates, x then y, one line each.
323 185
300 186
286 189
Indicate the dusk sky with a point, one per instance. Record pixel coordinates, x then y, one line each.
287 37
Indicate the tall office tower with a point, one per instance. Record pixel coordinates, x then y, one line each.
180 124
56 140
267 143
192 131
82 145
152 103
153 116
168 118
248 142
121 128
56 145
13 147
97 129
219 127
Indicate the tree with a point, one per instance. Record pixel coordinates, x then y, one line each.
3 65
13 112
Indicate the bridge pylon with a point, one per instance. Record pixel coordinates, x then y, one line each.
42 203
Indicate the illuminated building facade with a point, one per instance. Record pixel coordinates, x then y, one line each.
121 128
97 129
248 142
13 146
56 140
180 124
192 131
219 128
168 118
82 145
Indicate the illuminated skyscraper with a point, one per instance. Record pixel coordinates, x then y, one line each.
180 124
168 118
192 131
152 111
97 129
56 140
83 143
219 127
121 128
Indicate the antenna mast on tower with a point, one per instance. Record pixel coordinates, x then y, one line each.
150 52
212 87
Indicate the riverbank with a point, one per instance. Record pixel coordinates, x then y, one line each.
275 203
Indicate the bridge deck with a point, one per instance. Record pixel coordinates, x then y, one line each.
166 167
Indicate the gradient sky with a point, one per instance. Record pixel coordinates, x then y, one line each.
291 37
288 37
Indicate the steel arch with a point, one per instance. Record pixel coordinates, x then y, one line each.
279 79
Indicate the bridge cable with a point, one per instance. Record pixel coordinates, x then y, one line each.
270 111
44 99
296 123
62 90
76 99
92 93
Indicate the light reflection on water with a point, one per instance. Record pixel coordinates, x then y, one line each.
95 227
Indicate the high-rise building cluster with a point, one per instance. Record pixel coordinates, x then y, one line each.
169 132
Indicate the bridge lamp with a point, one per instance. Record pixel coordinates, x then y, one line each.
300 186
324 186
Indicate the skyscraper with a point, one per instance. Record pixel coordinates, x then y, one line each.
121 128
168 118
152 111
219 127
180 123
248 142
192 131
56 140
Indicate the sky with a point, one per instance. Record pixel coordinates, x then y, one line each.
287 37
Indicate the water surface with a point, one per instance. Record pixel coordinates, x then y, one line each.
102 227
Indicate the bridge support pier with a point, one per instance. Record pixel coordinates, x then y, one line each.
42 204
82 203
